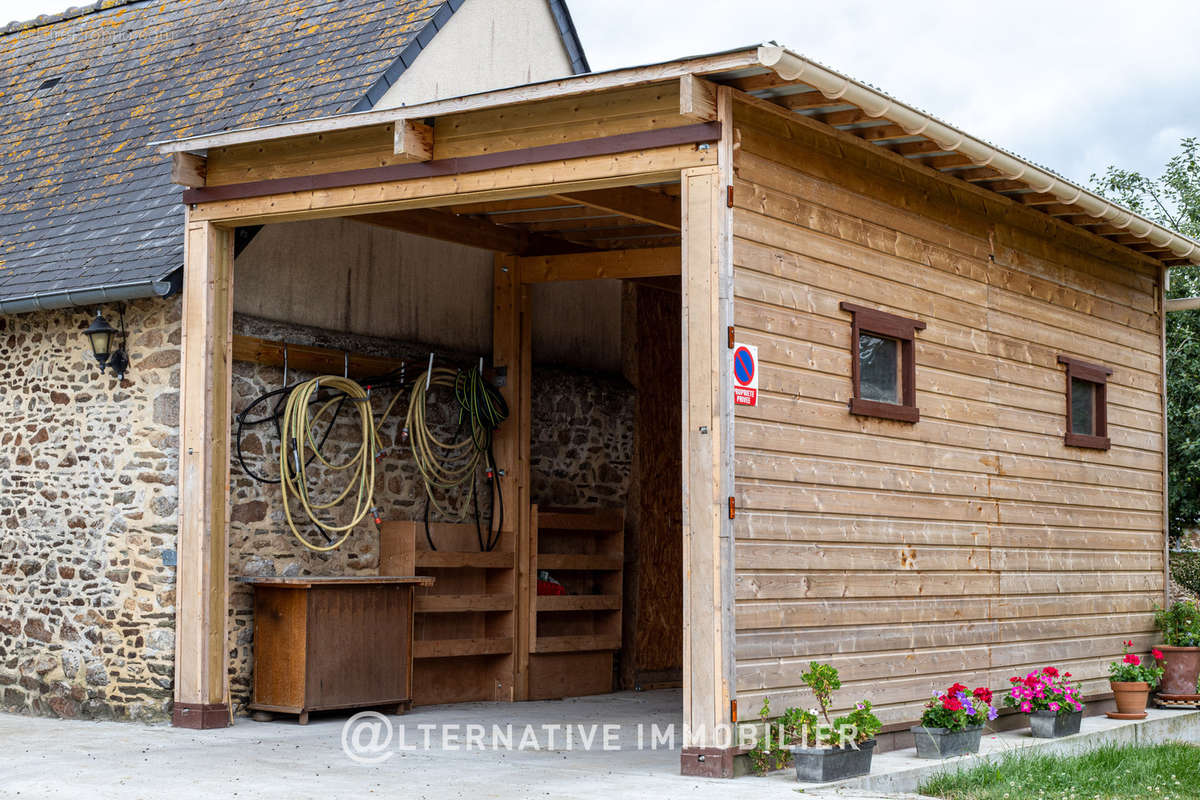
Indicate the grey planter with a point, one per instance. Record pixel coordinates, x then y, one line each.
825 764
1051 724
944 743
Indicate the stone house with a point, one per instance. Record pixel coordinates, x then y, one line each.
89 219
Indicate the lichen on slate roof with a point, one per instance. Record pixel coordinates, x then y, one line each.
84 201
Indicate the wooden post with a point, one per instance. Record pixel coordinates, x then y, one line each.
204 418
511 351
709 744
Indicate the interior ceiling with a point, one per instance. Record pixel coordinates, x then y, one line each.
606 219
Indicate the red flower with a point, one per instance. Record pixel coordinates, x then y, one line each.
1130 658
951 703
1051 671
1066 674
984 694
1014 680
1129 644
955 689
1158 656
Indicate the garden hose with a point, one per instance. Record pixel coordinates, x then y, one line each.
451 465
299 446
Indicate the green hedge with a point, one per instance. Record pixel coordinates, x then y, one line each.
1185 569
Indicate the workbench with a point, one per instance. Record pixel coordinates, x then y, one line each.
333 643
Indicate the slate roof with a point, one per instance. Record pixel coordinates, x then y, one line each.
84 203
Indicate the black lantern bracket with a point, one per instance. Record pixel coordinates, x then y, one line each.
108 343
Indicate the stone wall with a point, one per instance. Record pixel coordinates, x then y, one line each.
581 450
88 501
88 516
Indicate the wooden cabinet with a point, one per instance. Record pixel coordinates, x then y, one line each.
333 643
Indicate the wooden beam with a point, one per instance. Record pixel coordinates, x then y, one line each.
413 140
205 413
883 133
471 231
653 262
697 99
307 358
511 351
923 149
814 99
705 698
849 117
978 174
646 205
947 162
1036 199
188 169
599 172
452 167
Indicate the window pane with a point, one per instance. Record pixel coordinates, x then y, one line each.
1083 407
879 368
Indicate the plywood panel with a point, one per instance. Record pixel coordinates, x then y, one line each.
974 543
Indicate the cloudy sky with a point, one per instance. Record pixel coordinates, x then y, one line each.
1075 85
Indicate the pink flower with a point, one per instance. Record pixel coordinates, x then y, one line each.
1026 707
1054 706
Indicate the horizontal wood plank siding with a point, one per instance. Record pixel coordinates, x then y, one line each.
973 544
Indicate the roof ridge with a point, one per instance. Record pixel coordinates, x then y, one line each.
44 20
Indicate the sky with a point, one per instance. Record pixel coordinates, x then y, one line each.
1073 85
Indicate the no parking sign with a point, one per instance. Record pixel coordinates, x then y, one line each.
745 375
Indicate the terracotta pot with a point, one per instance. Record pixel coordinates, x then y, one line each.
1183 667
1131 697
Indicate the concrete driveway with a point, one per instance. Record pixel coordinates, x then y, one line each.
48 758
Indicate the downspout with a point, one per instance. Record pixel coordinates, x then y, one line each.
791 67
69 298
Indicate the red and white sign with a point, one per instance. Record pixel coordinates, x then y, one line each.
745 375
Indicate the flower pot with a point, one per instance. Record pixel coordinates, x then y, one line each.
825 764
1131 699
1051 724
945 743
1182 668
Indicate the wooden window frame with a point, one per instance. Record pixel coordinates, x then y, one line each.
1096 374
891 326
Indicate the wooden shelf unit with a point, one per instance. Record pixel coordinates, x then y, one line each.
463 628
574 636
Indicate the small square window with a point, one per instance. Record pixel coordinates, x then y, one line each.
883 368
879 368
1087 404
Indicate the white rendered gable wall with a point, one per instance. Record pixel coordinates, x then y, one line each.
487 44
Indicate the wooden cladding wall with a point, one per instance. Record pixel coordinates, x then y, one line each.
973 544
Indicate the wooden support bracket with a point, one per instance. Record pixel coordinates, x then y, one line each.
189 170
697 99
413 140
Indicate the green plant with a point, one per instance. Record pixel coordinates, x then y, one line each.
1179 623
1185 569
802 728
768 753
861 721
823 680
1131 668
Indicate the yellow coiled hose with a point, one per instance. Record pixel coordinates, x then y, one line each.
299 445
443 465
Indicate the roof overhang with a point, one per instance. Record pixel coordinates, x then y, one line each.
774 73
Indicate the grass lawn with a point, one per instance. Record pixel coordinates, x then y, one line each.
1161 772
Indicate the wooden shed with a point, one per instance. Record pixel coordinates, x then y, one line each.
946 457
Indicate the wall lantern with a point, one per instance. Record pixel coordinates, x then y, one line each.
105 347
